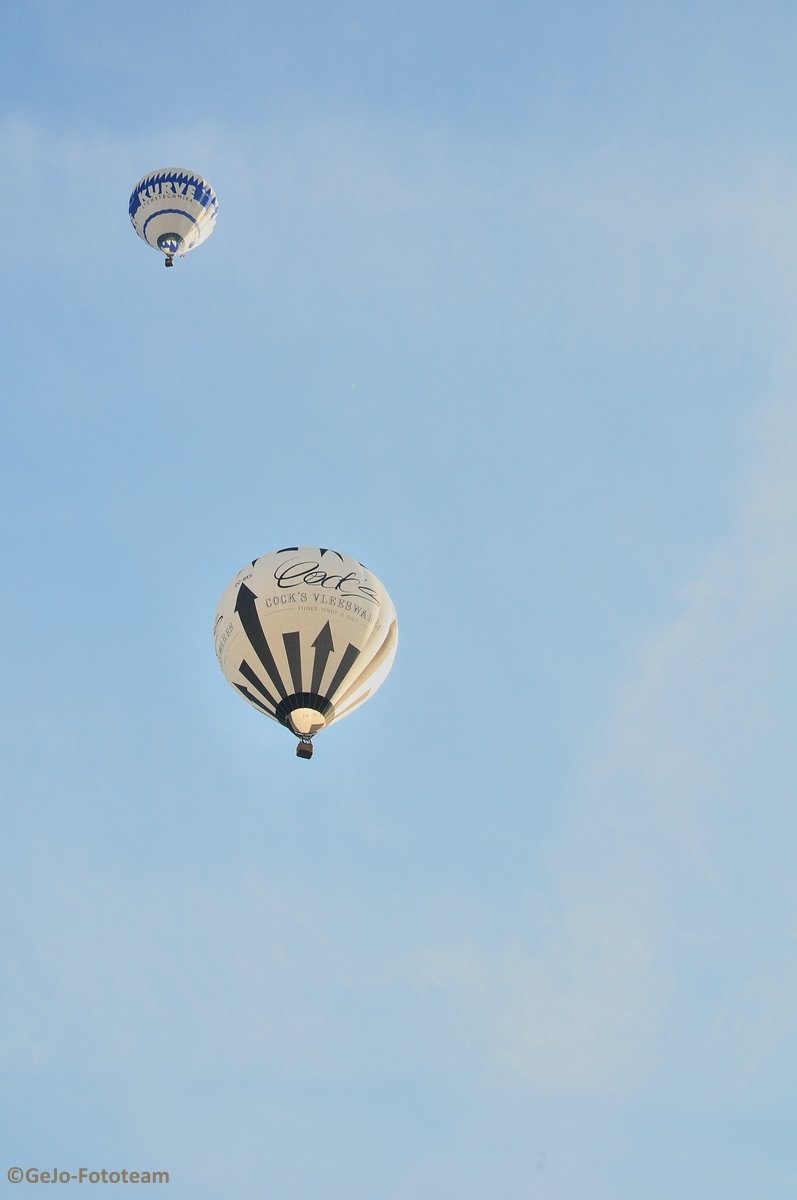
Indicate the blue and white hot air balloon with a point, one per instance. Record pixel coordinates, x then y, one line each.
306 635
173 211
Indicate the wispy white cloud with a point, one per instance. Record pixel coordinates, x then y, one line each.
672 871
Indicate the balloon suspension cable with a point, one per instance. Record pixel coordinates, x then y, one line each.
305 747
169 260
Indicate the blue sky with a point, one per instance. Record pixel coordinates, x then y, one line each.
502 302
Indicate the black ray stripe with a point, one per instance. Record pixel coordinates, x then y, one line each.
253 699
346 664
294 652
250 621
249 674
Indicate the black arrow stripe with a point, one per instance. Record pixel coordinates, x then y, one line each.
294 652
250 621
249 674
323 647
346 663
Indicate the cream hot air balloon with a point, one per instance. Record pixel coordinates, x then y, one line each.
306 634
173 210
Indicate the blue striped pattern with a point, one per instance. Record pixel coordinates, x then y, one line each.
160 212
151 185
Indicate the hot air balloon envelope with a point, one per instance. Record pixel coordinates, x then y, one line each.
173 210
306 634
